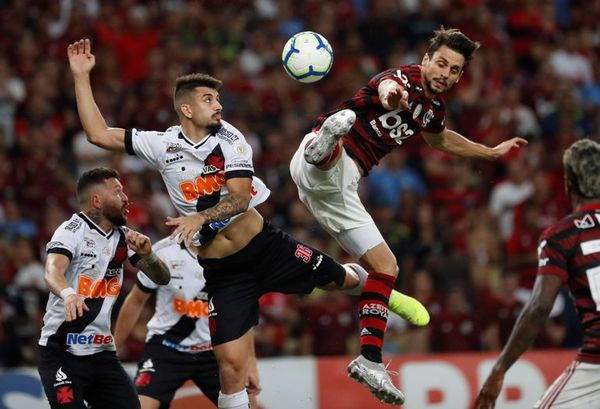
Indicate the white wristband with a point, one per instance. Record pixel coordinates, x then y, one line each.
64 293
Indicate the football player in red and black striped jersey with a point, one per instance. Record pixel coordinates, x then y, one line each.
568 254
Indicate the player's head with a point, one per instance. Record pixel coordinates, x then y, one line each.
99 189
196 99
582 170
445 60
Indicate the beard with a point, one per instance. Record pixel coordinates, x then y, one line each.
116 217
430 89
214 127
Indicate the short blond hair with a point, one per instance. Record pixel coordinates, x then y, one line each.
582 168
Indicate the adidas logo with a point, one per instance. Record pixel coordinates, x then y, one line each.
365 332
148 364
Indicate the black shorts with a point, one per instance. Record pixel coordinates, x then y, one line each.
272 261
163 370
97 379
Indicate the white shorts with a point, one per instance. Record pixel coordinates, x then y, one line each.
332 197
578 387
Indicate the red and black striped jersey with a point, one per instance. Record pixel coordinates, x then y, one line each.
570 250
377 130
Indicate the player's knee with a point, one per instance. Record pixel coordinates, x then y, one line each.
232 371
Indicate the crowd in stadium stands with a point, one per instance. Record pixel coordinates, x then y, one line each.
464 232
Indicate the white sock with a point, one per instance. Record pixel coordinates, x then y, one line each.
238 400
358 272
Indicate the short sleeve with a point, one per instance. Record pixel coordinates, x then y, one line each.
238 160
64 240
551 257
147 145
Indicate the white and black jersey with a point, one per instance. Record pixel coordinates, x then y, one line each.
180 320
96 273
196 173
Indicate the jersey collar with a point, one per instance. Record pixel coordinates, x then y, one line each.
94 226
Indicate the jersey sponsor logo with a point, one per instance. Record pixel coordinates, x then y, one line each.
393 123
192 308
220 224
74 225
54 244
186 348
74 338
202 186
227 135
237 165
103 288
590 247
239 148
303 253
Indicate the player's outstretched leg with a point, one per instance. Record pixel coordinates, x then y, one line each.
334 127
375 377
408 308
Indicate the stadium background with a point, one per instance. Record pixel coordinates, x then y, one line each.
464 232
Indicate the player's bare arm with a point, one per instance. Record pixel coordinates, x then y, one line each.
528 325
128 316
452 142
235 203
81 61
149 263
392 95
54 276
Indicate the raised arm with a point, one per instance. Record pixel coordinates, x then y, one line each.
452 142
528 325
54 276
81 61
149 262
128 316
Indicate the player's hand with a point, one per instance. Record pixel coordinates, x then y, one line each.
80 56
253 383
393 96
185 227
74 307
490 391
504 147
139 243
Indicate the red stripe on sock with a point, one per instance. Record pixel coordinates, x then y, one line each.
373 312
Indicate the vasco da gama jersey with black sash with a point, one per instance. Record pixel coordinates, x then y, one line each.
96 273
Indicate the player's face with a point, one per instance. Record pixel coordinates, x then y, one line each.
115 203
442 70
206 108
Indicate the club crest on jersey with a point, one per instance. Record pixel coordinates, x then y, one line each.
173 147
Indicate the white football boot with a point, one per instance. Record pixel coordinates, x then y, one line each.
334 127
376 378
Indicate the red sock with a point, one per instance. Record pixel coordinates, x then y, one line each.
373 314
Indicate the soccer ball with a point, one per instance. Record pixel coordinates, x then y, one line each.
307 57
